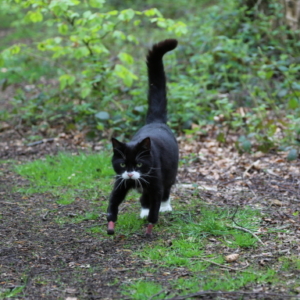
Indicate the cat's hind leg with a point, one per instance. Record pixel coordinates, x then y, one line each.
145 203
153 213
150 202
165 206
144 212
166 201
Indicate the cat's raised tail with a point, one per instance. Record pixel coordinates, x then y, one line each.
157 95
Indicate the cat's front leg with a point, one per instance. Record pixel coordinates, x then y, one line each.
117 196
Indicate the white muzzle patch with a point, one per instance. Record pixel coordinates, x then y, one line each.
131 175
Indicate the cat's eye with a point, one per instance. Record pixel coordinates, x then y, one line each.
122 165
139 165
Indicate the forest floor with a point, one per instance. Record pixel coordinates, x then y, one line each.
48 260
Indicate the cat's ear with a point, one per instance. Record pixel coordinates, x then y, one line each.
145 143
116 143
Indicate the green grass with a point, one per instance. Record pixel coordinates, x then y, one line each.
189 248
68 176
141 290
288 263
214 221
216 280
11 293
221 281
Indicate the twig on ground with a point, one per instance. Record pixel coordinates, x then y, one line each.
6 202
123 207
242 228
248 169
14 203
222 266
247 230
96 225
220 293
40 142
44 216
157 294
250 188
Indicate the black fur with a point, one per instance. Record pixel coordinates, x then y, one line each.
153 151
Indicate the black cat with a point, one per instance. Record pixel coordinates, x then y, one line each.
149 161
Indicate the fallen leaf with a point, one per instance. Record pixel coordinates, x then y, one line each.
276 202
232 257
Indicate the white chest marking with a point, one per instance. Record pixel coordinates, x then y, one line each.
131 175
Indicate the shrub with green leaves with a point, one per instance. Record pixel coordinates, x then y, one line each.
84 53
238 70
235 67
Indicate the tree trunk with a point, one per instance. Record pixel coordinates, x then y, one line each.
291 10
292 13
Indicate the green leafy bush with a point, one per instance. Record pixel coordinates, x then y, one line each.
85 66
235 67
240 71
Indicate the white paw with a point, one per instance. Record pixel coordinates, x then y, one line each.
165 206
144 213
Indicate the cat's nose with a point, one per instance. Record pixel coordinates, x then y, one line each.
130 175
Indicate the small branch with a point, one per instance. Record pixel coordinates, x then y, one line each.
108 32
242 228
222 266
123 207
10 203
222 293
40 142
248 231
14 203
44 216
157 294
235 212
87 44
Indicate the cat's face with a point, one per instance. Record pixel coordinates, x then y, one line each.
132 161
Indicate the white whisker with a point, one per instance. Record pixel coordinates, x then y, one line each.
144 179
140 184
146 175
120 184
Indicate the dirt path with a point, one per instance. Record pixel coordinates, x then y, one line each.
48 260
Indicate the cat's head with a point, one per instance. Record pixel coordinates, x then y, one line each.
132 161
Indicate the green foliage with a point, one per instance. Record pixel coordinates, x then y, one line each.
83 55
237 59
235 68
